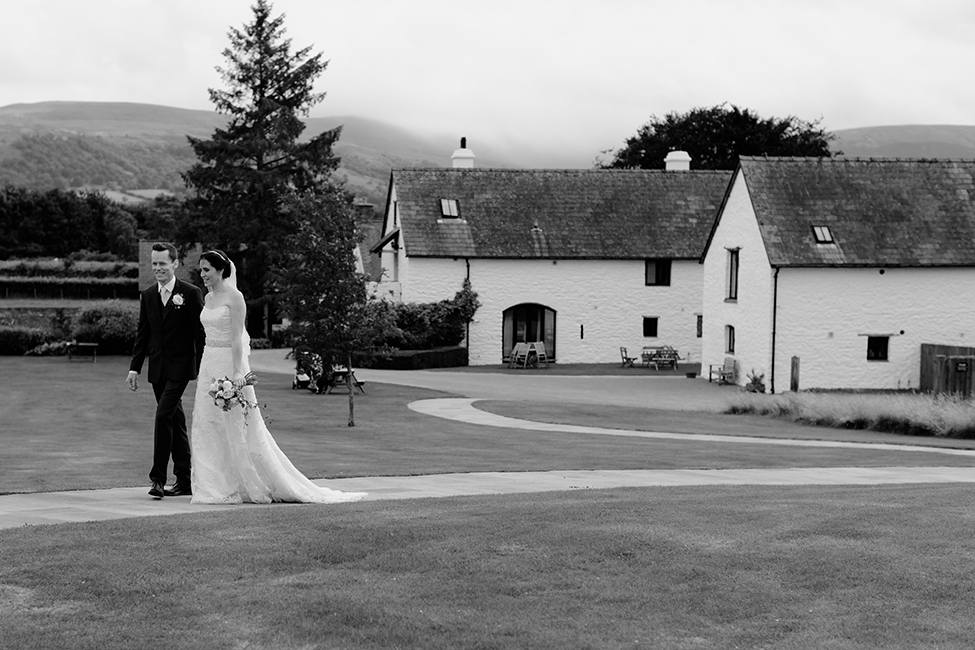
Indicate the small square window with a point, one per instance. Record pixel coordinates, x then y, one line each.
650 326
823 235
448 208
657 273
877 347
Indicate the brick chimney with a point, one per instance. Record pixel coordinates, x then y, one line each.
462 158
677 161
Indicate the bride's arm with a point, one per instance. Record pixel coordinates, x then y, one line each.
238 314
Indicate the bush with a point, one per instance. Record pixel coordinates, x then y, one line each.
15 341
446 357
904 413
425 326
111 324
51 349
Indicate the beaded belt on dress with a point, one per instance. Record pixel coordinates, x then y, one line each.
218 344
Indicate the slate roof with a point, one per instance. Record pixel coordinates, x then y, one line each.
563 214
881 212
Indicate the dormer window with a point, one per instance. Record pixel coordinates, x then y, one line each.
823 235
448 208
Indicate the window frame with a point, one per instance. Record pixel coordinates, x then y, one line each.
729 339
878 348
823 235
734 263
655 321
662 267
449 209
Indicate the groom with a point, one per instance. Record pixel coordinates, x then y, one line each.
171 335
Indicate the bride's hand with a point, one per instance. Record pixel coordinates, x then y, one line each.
239 381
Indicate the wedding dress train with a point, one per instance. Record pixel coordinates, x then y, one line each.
234 457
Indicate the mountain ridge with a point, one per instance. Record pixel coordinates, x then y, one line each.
132 146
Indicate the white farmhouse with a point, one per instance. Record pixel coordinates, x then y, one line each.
585 261
831 273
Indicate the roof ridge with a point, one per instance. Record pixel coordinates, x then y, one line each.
839 159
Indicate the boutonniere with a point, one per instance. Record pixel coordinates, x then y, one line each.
177 300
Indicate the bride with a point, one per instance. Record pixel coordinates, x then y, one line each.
235 459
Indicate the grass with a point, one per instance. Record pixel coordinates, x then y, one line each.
718 567
906 413
694 567
75 425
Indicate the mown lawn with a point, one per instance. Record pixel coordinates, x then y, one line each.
694 567
77 426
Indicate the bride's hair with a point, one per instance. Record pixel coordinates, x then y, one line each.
218 260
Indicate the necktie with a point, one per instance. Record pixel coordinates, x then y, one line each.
164 294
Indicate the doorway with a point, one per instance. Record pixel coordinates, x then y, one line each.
529 323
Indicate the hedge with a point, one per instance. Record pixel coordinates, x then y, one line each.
111 324
15 341
76 287
445 357
68 269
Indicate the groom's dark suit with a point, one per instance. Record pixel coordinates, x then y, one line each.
172 337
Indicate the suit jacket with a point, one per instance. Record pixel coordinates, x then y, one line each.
172 337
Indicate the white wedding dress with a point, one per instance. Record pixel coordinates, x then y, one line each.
235 459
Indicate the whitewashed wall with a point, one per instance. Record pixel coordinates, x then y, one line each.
599 304
751 314
825 313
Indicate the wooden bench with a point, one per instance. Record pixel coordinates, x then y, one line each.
343 377
82 351
663 356
725 372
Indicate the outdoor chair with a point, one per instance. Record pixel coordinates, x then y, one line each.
725 372
627 360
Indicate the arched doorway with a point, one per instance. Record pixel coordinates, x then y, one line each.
529 323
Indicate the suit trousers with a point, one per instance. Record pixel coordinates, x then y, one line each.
170 436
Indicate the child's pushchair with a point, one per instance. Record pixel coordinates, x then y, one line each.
309 372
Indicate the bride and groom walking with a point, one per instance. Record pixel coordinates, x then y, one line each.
229 456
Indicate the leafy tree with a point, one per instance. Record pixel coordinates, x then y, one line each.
244 171
715 137
320 288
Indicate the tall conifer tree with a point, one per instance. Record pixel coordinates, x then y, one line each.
244 170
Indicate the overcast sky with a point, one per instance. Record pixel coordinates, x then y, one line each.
581 75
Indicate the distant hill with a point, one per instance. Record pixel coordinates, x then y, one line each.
124 147
907 141
121 147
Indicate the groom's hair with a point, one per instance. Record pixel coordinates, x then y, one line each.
218 260
169 248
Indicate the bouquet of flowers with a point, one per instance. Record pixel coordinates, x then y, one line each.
226 395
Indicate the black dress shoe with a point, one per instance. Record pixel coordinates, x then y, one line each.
178 491
157 491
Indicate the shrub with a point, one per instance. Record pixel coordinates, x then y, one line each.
111 324
446 357
51 349
901 413
18 340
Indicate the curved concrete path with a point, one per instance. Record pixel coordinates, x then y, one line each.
647 392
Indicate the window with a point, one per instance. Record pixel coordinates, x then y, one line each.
822 234
729 339
700 325
448 208
877 348
658 273
732 274
650 326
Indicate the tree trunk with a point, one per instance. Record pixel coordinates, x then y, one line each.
351 382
